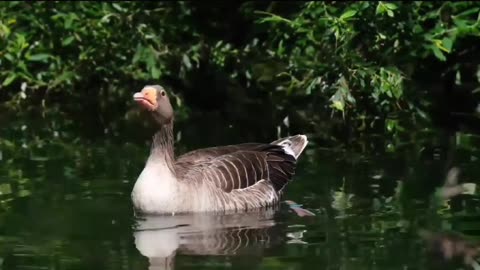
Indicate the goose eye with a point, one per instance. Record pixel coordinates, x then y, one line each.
162 93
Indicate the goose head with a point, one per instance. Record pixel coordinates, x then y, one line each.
154 99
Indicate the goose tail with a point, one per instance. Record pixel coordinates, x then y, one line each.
293 145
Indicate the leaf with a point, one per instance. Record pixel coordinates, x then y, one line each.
390 13
380 8
280 49
38 57
272 18
5 189
338 105
68 41
348 14
447 44
460 23
439 44
9 79
186 61
438 53
68 22
155 72
468 12
311 86
138 53
391 6
20 40
350 98
9 57
4 30
417 29
117 7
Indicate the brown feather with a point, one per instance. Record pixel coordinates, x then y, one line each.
239 169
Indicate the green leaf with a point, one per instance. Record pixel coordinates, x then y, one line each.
312 84
348 14
9 79
460 23
438 53
68 41
339 105
417 29
390 13
272 18
447 44
5 189
117 7
280 49
9 57
38 57
155 72
468 12
391 6
186 61
138 53
439 44
68 22
380 8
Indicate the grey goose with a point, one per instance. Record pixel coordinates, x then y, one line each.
242 177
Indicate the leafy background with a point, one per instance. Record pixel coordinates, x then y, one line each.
332 68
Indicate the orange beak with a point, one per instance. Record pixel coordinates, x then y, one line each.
147 98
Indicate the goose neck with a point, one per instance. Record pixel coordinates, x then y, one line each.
163 146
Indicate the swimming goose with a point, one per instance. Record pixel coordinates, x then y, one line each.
227 178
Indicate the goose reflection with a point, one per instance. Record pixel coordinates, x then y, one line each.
161 238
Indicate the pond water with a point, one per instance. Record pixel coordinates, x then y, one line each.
65 204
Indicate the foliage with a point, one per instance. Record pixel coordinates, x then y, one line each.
357 58
361 54
92 51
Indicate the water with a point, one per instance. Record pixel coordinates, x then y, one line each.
65 204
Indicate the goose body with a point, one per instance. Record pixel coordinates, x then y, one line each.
226 178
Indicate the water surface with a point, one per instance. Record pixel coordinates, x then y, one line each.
65 204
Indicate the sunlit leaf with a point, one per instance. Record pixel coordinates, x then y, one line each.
391 6
5 188
186 61
10 78
380 8
9 57
117 6
447 44
348 14
155 72
68 41
438 53
38 57
339 105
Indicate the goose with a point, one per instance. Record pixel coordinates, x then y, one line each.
229 178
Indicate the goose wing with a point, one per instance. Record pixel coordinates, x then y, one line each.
208 154
244 168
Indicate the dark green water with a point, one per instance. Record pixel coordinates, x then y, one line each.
65 204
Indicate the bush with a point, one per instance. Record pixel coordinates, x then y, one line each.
361 59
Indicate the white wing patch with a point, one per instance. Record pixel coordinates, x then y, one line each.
286 145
